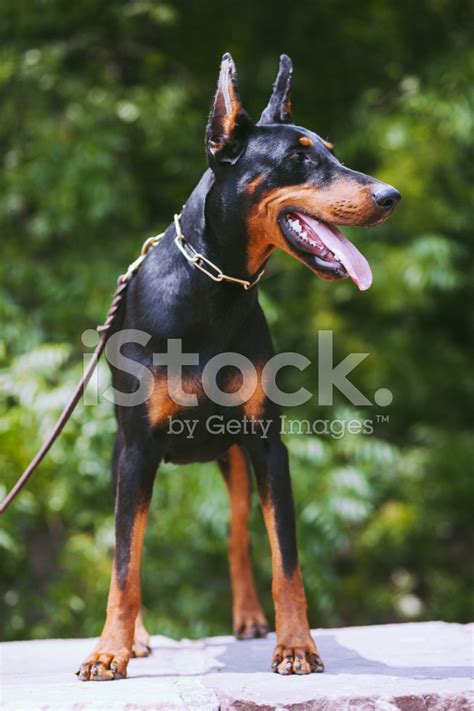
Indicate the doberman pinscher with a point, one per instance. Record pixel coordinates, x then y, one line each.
269 184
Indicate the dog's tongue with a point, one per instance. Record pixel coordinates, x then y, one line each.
354 262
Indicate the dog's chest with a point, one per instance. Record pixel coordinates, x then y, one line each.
198 393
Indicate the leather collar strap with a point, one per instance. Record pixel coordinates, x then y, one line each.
204 264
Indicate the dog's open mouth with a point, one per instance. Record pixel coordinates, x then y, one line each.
324 248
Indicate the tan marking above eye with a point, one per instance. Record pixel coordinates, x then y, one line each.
305 141
254 183
329 146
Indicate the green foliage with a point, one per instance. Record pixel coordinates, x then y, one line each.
103 113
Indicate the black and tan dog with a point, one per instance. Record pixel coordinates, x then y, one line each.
270 184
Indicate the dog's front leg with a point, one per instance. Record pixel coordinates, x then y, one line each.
295 651
110 657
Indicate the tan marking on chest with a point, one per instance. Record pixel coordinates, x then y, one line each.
161 405
245 387
254 406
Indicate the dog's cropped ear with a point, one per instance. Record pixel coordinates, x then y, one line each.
278 109
229 123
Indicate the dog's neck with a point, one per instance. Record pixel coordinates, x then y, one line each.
215 232
203 313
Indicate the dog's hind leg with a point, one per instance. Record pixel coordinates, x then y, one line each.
247 615
109 660
141 638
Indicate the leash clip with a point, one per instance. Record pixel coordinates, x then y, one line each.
148 244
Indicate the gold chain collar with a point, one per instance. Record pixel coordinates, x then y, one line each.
204 264
195 258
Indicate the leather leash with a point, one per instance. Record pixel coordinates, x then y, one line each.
103 330
199 261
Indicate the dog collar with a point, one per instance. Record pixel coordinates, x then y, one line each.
204 264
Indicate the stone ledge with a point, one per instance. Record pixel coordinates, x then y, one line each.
407 666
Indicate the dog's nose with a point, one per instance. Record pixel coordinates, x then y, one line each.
386 197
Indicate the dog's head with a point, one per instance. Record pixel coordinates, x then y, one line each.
289 184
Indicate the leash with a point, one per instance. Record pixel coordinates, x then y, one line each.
122 284
197 260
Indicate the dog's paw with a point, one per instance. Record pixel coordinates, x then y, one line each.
296 660
141 639
250 624
103 665
140 649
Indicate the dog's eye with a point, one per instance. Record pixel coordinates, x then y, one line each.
299 156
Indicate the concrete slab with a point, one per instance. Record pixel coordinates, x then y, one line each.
407 666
